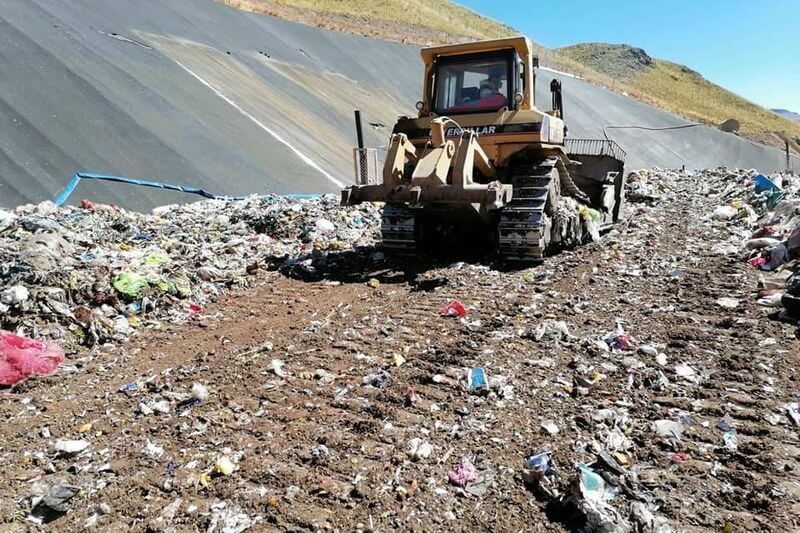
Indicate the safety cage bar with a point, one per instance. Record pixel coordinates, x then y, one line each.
599 147
368 163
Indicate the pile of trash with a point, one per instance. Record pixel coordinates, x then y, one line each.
649 185
763 213
97 273
619 387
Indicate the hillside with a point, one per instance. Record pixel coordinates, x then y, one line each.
674 87
409 21
622 68
785 113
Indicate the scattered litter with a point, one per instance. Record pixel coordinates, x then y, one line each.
59 496
419 449
152 449
618 340
21 357
453 308
727 303
463 475
552 330
476 378
224 466
154 405
69 447
375 385
687 372
539 474
378 380
668 428
550 427
159 267
277 367
793 410
199 392
724 212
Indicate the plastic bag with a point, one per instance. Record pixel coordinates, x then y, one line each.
453 308
21 357
130 284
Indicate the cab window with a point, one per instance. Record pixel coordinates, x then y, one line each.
465 85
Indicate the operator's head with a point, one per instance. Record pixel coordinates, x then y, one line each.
487 89
496 75
491 85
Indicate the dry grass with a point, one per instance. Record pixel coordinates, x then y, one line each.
672 87
685 92
441 18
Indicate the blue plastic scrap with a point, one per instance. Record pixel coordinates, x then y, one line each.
476 378
763 183
539 462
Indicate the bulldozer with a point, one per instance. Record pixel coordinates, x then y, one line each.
481 165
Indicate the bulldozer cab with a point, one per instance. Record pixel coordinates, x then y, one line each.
479 77
475 83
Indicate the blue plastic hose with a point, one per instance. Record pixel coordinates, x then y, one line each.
64 195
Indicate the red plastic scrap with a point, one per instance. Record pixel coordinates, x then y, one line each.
21 357
757 262
679 457
623 342
453 308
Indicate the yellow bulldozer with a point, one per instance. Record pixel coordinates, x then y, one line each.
480 160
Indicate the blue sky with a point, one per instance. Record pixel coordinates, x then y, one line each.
749 47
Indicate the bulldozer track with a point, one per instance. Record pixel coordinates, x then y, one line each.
524 228
398 234
524 225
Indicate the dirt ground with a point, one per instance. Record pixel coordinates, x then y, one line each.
776 140
322 441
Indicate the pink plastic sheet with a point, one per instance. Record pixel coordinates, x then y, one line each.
463 475
21 357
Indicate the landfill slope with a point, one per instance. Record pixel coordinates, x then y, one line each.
196 93
98 87
304 380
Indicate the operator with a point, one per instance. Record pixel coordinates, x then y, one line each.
490 95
